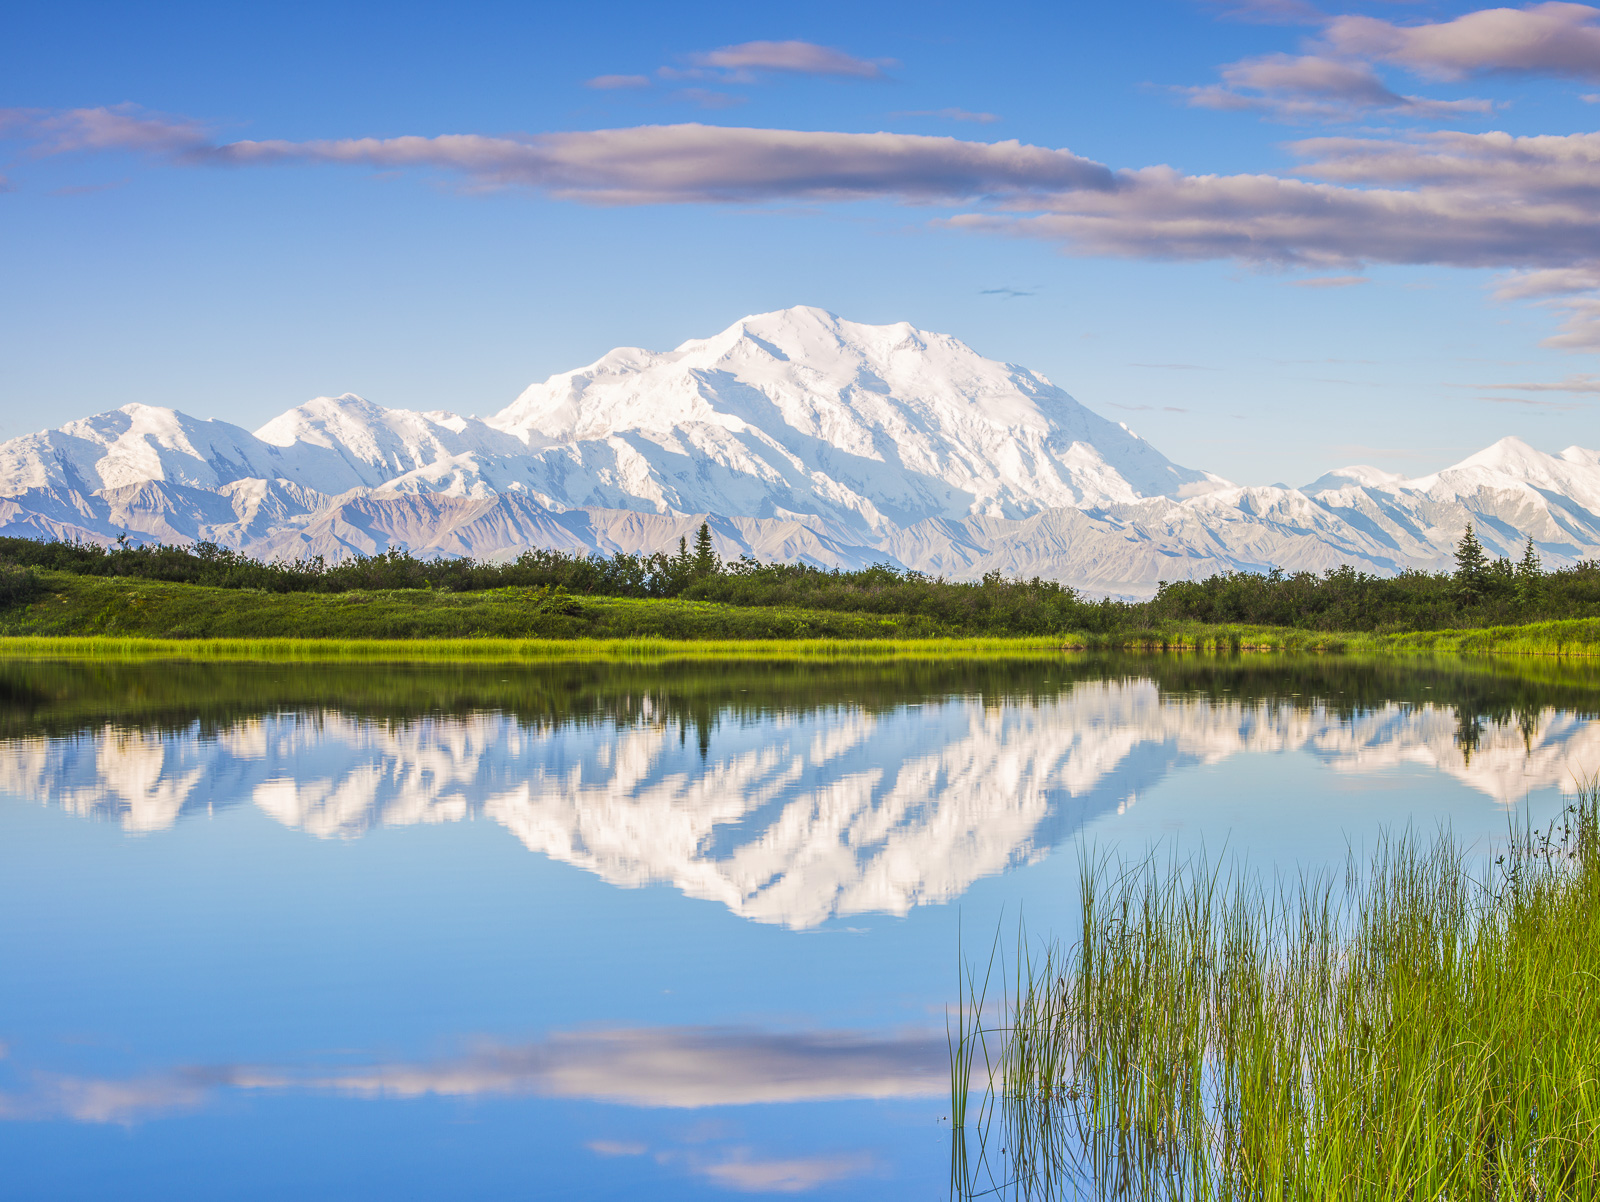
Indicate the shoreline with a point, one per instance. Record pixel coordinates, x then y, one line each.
1573 638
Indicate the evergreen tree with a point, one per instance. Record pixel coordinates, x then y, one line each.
1472 565
706 562
1530 575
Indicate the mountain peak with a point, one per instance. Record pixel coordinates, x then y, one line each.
867 425
1507 454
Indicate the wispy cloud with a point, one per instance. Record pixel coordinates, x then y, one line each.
613 82
749 1174
707 99
1583 384
1329 281
1555 281
703 163
1526 205
650 164
616 1147
791 57
1272 12
1529 402
130 1100
122 127
1459 199
1006 293
950 115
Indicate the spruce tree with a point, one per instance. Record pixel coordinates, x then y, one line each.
1472 565
1530 575
705 554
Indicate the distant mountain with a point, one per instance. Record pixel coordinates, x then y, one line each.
799 436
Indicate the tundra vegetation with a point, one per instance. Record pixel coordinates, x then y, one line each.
155 590
1427 1032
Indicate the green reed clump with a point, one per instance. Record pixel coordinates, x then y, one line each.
1429 1032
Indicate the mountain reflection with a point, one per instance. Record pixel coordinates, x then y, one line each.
789 793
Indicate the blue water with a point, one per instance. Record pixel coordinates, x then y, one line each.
649 933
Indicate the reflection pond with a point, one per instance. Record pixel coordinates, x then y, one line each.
611 930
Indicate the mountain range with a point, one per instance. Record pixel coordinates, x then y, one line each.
799 436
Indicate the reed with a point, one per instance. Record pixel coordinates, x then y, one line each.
1422 1032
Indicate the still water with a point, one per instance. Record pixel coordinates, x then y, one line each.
630 931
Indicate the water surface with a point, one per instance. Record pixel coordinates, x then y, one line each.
606 930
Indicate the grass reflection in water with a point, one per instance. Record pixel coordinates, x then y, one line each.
1430 1032
57 697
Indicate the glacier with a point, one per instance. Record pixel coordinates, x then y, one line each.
798 436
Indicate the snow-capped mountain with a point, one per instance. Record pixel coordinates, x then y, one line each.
800 414
800 436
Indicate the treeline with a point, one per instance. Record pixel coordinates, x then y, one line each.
993 606
1481 592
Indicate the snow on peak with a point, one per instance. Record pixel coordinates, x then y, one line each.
1359 475
1510 456
1511 465
803 411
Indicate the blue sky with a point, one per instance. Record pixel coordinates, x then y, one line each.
1273 239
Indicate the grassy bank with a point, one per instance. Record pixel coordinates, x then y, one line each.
95 615
510 650
1477 595
1429 1034
69 605
1575 636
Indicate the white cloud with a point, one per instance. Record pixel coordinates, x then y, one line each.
1541 39
705 163
1313 87
613 82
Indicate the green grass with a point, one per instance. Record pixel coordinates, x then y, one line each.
77 606
493 650
1433 1033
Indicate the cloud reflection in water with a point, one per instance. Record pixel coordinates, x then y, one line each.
658 1067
